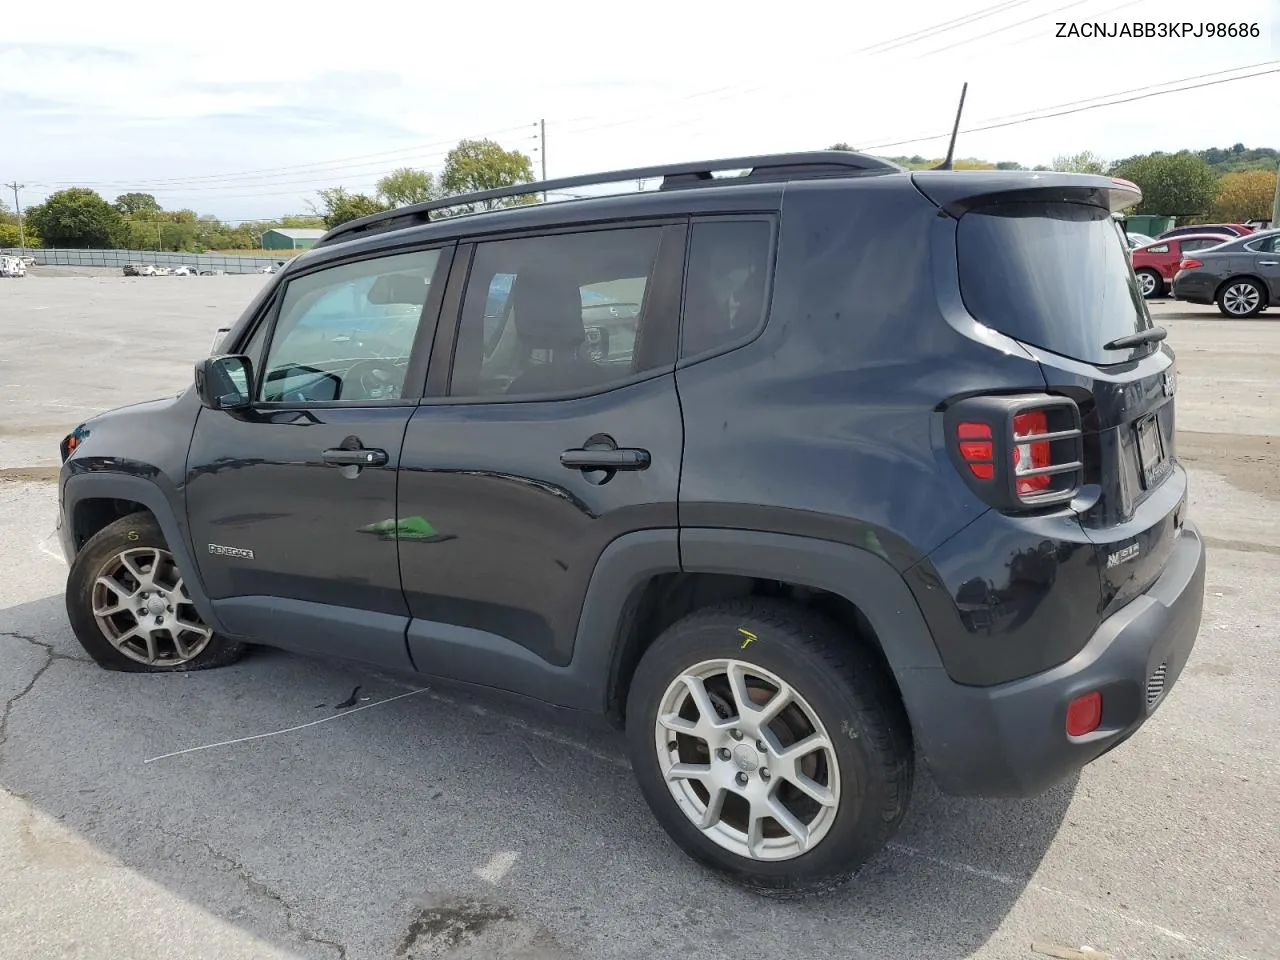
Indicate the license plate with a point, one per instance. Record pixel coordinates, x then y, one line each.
1151 453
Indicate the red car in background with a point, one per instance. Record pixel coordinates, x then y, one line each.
1156 263
1232 230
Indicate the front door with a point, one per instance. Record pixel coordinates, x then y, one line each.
290 502
555 430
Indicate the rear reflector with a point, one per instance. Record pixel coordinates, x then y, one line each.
1189 264
1084 714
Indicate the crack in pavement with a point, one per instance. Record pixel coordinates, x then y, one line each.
266 891
50 655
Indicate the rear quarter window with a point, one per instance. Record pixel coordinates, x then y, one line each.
1052 275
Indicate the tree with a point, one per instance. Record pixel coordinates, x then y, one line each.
76 217
840 146
406 185
1172 184
1083 162
340 206
11 236
141 205
1244 196
475 165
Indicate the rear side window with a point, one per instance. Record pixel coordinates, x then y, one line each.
1053 275
726 283
1159 248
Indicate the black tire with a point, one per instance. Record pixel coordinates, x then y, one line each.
844 686
1238 291
1156 289
138 531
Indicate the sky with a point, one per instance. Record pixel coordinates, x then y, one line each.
245 110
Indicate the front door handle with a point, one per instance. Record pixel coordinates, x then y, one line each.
358 457
1268 263
605 459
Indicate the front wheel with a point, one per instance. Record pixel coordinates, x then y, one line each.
1240 299
129 607
769 745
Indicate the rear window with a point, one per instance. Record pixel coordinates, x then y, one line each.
1053 275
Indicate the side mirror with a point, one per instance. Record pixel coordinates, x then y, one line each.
225 382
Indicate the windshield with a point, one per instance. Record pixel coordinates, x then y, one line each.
1053 275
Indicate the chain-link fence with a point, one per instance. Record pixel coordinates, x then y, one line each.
227 263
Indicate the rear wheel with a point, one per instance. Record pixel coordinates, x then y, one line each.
129 606
1150 283
1241 298
769 745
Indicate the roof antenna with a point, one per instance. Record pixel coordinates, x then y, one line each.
951 147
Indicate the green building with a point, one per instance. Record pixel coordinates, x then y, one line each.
290 238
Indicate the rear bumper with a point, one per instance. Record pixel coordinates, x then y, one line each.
1010 739
1194 287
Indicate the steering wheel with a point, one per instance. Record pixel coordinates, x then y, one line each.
378 379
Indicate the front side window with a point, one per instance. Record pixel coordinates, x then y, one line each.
555 315
726 281
346 333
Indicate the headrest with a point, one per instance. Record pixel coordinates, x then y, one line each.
548 311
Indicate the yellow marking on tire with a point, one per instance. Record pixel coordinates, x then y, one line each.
750 637
132 535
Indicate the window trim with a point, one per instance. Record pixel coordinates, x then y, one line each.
753 333
423 338
666 281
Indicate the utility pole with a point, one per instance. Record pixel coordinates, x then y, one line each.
22 234
542 152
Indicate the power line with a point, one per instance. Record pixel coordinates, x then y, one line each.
1070 108
873 49
273 171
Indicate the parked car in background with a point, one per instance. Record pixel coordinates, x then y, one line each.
1155 263
12 267
1229 229
162 271
1138 240
1241 276
184 271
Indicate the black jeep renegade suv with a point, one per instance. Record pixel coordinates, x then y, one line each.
801 474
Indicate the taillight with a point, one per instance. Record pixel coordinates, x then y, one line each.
1189 264
1031 455
1018 452
975 448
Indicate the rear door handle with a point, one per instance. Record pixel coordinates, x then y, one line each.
605 459
360 457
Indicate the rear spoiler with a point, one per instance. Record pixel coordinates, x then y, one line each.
957 192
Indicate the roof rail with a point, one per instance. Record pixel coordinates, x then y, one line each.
772 167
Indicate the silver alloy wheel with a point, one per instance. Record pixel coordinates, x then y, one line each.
143 609
1147 283
1241 299
747 760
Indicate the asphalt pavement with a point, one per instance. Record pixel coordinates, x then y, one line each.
246 813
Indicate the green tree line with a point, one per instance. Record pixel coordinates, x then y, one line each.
1230 184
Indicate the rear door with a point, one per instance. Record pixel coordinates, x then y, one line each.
1065 291
551 429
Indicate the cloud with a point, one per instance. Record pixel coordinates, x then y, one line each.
68 51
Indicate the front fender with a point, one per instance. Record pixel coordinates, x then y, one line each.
165 507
